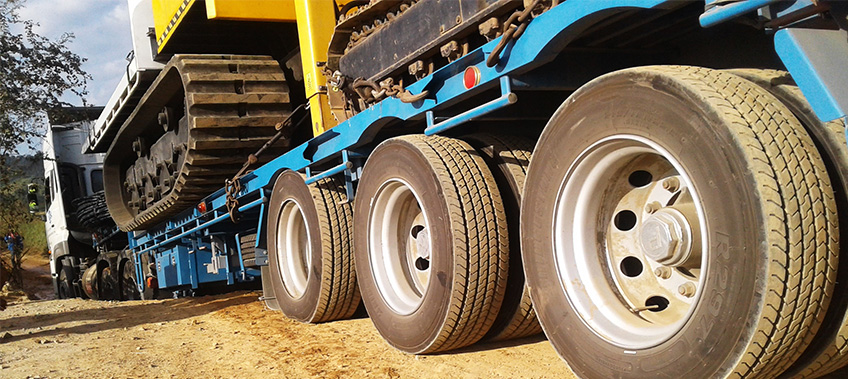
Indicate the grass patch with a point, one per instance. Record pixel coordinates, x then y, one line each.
35 239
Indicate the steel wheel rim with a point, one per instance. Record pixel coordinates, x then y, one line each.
399 246
293 248
623 284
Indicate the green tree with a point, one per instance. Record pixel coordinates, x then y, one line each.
35 73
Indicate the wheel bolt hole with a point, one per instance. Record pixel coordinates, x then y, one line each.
422 264
656 303
686 272
640 178
624 220
631 267
674 198
415 230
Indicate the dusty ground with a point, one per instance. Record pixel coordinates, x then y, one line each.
225 336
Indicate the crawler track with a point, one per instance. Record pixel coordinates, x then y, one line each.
192 130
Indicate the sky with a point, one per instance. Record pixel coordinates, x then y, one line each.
102 35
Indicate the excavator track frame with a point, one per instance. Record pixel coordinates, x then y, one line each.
232 105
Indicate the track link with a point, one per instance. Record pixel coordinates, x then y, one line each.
204 114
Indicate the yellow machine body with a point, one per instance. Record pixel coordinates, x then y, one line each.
315 22
251 10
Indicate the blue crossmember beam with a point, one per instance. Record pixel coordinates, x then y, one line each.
507 97
543 39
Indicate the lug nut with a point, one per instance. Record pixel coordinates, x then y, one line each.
687 289
652 207
662 272
671 184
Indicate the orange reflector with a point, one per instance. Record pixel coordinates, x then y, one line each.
471 77
152 282
201 207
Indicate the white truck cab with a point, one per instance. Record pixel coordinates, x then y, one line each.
68 174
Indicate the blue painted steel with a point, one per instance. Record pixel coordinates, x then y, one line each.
326 174
238 252
817 60
542 40
798 5
261 230
173 267
722 13
139 272
200 227
183 266
507 97
192 263
222 254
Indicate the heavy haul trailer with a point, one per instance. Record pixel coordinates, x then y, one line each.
675 220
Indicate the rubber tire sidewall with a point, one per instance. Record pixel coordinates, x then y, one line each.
65 275
125 293
290 185
713 338
413 333
107 286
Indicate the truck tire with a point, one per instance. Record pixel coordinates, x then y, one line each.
129 287
687 230
829 348
309 249
247 243
431 244
508 158
66 285
108 284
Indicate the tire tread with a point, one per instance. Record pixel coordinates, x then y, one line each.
511 155
478 221
339 296
801 217
828 350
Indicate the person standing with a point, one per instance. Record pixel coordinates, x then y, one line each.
19 242
14 243
10 244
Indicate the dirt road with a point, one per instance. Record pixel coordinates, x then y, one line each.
228 336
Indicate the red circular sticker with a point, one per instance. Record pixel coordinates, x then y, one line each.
471 77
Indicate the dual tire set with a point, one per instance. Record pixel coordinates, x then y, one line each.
675 221
428 231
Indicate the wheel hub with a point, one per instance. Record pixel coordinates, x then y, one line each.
400 245
666 237
294 250
628 241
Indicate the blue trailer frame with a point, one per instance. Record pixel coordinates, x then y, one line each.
809 55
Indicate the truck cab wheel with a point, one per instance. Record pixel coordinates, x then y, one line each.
431 243
108 285
309 249
687 230
128 286
66 286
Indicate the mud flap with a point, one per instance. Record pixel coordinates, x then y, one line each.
268 290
